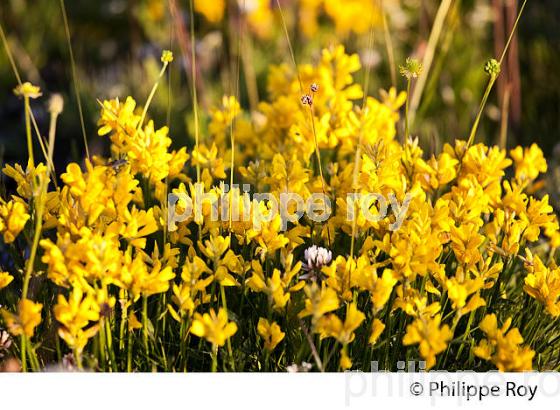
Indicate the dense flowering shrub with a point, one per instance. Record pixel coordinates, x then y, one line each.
467 281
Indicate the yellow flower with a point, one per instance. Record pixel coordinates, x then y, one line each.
186 295
430 335
145 279
380 288
278 286
332 326
271 333
82 258
28 90
529 163
211 162
222 117
75 315
213 327
539 216
459 291
13 217
543 283
377 328
503 346
166 56
223 264
213 10
345 361
465 242
319 301
5 279
27 319
355 16
260 17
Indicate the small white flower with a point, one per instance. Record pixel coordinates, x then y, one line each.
5 342
315 258
303 368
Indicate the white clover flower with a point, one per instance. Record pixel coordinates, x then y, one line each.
315 258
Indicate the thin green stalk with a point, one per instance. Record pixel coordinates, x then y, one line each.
228 342
28 131
214 358
109 336
34 360
78 358
318 154
408 82
194 91
474 128
435 34
74 76
33 121
389 45
467 332
102 343
357 155
129 352
23 353
311 112
232 133
145 324
151 95
124 319
10 56
493 77
36 238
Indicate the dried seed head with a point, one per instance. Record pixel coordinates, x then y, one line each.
56 104
306 99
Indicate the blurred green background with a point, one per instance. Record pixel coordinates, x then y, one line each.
117 45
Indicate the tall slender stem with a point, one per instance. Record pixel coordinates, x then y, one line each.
145 323
493 77
406 131
194 91
28 131
74 76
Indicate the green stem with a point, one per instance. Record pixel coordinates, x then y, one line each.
145 323
28 131
151 96
228 342
23 353
214 358
408 82
78 359
494 76
194 91
102 342
124 317
129 352
474 128
109 336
